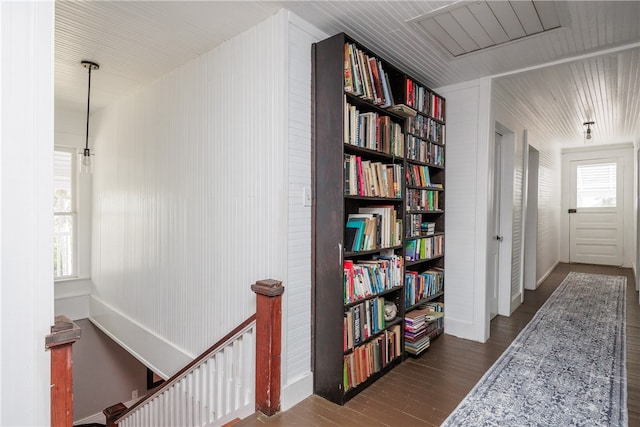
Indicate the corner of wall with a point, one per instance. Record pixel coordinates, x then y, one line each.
464 330
296 391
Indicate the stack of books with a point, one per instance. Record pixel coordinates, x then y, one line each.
416 333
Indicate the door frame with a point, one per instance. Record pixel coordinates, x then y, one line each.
625 153
531 221
508 142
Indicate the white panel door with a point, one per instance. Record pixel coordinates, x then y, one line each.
493 273
596 213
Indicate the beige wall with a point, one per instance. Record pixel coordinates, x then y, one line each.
103 373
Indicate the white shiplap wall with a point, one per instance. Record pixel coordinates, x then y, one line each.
26 223
190 199
517 225
297 378
509 110
468 107
549 196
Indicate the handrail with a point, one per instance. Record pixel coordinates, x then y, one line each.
176 377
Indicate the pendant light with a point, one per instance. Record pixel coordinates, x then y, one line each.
587 134
86 164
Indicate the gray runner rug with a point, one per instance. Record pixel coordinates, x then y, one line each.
566 368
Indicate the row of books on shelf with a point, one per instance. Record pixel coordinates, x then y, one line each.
426 128
364 76
422 200
373 227
371 357
425 101
422 325
424 248
371 179
424 151
372 130
362 321
417 228
369 277
419 286
419 176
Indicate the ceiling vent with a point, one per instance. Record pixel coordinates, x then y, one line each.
464 27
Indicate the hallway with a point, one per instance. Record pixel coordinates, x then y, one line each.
423 391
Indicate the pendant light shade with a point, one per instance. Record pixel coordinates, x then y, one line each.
587 134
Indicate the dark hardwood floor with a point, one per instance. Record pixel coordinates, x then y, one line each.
423 391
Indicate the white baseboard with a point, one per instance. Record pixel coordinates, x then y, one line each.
516 301
296 391
543 278
158 354
72 298
461 329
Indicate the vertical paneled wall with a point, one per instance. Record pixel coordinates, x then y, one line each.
297 308
511 111
26 223
466 224
549 197
190 193
517 217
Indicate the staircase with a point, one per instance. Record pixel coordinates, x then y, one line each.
216 389
220 386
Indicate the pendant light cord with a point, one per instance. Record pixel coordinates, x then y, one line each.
90 66
86 145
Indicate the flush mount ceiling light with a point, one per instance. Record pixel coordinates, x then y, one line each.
464 27
86 155
587 134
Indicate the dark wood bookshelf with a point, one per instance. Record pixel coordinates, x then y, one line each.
430 143
334 109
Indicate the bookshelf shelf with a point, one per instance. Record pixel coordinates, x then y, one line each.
423 261
415 187
352 254
361 153
422 236
378 294
374 199
431 165
378 155
434 211
359 102
424 300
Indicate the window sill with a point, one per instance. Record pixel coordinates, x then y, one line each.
71 279
72 287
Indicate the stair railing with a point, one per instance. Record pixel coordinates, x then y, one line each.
221 384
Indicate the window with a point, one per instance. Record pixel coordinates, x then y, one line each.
64 213
596 185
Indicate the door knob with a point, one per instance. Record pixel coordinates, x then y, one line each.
499 238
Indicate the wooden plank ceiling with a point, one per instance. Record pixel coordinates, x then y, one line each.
137 42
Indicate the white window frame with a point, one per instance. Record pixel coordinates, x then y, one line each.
73 214
611 183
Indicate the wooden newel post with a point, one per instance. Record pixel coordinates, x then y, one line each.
63 334
268 344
